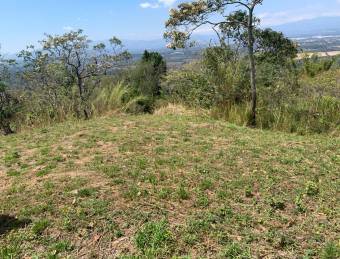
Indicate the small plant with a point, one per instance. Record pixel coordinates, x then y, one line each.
154 238
62 246
202 200
86 192
299 204
249 192
164 193
277 204
182 193
206 184
312 189
40 226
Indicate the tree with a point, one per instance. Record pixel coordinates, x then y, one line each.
83 63
274 47
239 25
158 66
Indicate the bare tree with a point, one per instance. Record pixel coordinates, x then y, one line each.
84 63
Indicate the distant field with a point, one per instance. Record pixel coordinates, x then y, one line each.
157 186
320 54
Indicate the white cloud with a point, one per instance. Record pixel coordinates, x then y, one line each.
158 4
167 2
68 28
278 18
149 5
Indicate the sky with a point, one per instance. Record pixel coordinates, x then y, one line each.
24 22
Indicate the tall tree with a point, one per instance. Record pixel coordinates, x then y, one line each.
158 69
239 24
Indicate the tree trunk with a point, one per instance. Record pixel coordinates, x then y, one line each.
252 119
83 103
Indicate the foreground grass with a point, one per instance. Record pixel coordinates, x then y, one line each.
167 186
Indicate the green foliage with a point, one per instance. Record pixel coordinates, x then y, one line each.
331 251
274 47
190 87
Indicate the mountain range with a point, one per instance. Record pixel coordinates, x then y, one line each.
318 27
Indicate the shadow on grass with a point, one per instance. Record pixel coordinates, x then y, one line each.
8 223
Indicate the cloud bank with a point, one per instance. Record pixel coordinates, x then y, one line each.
157 4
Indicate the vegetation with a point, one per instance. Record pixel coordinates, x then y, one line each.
122 158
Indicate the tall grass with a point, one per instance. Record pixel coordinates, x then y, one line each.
110 97
302 116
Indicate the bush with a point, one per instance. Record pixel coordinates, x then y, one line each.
315 65
189 87
139 105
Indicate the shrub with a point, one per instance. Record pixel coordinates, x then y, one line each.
190 87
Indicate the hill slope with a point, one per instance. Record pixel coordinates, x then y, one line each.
162 185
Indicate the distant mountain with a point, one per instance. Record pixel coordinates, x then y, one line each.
323 26
137 46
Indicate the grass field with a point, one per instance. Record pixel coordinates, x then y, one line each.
162 186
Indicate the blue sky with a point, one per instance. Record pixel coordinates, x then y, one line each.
25 21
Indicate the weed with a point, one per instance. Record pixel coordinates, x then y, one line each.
40 226
312 188
182 193
154 238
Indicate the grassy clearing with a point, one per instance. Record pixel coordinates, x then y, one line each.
160 186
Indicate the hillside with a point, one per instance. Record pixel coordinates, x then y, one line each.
164 185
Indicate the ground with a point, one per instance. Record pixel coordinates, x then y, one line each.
168 185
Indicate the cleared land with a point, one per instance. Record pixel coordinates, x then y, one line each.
167 185
319 54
